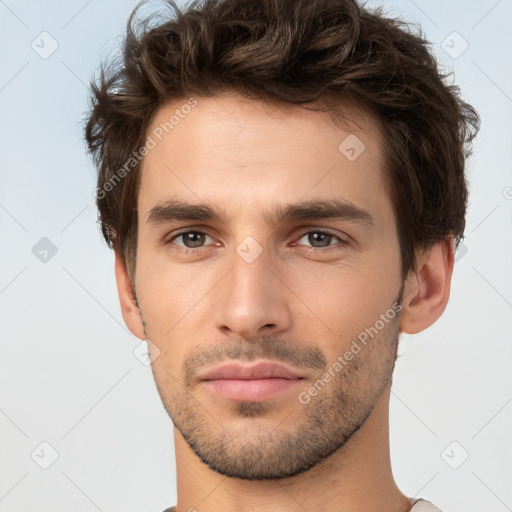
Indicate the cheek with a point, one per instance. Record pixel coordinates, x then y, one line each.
350 294
166 288
176 302
340 305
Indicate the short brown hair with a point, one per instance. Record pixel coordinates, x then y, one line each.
301 52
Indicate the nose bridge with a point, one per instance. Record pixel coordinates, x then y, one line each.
250 264
251 297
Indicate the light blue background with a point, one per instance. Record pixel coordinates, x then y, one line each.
68 375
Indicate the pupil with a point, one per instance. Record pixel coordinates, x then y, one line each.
195 243
317 235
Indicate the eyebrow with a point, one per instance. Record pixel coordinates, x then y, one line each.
174 210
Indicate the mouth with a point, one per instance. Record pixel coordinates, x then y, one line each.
251 383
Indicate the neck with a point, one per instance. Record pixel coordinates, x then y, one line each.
356 478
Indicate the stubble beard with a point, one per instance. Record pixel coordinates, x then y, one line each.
327 422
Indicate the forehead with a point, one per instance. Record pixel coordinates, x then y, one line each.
244 154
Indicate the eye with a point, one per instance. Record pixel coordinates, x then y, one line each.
322 239
191 239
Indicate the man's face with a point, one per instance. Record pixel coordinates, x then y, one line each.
250 286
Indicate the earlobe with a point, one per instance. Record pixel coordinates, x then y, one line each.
427 290
129 309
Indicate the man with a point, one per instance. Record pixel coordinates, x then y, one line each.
282 182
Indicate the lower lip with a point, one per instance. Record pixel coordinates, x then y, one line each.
255 390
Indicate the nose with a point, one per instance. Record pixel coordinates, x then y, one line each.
252 299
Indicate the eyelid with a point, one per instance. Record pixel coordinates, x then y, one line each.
170 239
304 231
343 239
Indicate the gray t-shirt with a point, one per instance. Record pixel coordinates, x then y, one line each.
419 506
424 506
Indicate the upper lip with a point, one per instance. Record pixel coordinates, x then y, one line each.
260 370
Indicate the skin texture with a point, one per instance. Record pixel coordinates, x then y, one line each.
302 301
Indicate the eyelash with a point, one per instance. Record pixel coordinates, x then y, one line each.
326 249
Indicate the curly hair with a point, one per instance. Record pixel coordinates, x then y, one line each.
314 54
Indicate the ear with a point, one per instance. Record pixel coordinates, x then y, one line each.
427 290
129 309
